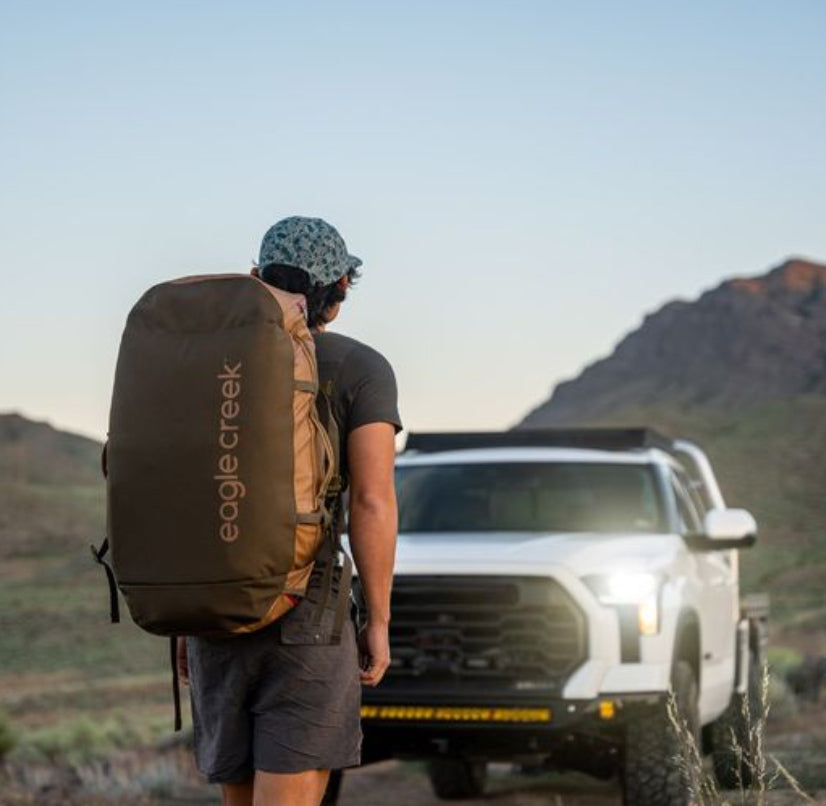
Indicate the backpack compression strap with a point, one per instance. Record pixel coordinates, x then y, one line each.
176 684
337 577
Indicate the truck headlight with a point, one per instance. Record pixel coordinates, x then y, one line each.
630 588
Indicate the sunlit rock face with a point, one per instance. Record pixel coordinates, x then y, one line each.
750 340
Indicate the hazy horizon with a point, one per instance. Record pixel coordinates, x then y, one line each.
101 436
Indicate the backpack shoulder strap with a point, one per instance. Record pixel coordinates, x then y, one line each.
324 402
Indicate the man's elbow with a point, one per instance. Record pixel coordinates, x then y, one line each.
373 504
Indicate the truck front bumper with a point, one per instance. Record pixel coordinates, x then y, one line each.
504 728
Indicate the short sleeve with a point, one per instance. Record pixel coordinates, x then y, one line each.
371 389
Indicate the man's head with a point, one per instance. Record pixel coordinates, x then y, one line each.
308 256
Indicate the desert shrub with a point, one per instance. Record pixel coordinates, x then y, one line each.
782 659
85 738
8 736
76 741
782 699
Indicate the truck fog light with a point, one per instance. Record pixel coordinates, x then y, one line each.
607 709
648 615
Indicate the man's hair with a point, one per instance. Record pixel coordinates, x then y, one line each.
320 297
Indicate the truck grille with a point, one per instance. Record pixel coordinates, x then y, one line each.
460 629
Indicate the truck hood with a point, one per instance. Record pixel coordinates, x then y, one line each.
580 553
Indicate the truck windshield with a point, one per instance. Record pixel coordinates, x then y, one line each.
524 497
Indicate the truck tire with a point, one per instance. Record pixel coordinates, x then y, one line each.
731 741
333 788
457 778
651 772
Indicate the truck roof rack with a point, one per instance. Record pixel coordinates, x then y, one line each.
610 439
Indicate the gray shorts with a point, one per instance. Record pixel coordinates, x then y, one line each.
260 703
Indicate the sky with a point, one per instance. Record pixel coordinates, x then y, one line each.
524 181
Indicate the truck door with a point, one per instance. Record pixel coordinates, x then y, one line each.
718 598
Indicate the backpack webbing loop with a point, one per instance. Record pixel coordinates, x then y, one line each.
99 554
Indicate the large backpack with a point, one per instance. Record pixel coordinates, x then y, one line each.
221 479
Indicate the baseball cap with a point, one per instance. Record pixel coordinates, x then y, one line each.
310 244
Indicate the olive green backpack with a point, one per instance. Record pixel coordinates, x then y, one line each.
222 482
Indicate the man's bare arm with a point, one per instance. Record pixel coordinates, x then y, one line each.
372 532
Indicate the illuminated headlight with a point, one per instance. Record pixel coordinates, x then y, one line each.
630 588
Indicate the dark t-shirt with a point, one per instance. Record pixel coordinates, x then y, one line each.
363 385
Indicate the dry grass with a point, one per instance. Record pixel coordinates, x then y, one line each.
766 771
125 778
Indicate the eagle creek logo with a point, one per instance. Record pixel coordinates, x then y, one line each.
230 487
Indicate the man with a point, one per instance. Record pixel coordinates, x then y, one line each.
272 719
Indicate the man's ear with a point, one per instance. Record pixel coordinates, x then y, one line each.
255 272
343 282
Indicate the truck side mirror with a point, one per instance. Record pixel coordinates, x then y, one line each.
725 529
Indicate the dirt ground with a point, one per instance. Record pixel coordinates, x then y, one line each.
406 785
391 783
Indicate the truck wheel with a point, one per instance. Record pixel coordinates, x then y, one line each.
651 770
333 788
457 778
731 734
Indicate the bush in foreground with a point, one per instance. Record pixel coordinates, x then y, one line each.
8 737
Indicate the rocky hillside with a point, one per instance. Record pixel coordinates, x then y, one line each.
51 489
36 453
748 341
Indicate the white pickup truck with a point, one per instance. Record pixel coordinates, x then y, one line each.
551 588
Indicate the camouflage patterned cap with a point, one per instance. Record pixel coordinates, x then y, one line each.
310 244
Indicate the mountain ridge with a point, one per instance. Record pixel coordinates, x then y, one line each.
748 340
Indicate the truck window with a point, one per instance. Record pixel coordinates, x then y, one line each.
694 490
686 510
529 497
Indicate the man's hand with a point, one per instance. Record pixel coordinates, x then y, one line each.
374 653
183 663
373 521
